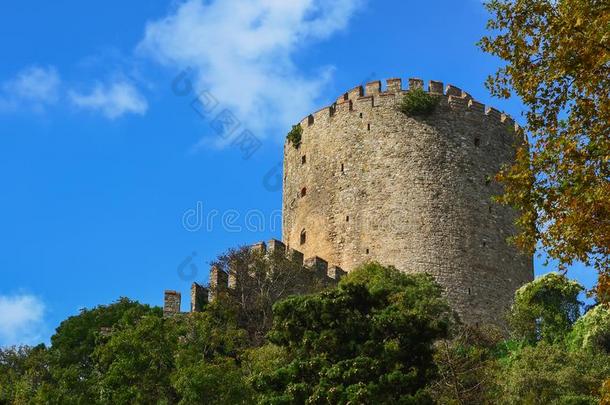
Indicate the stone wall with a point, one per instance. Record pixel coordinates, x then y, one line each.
369 183
171 302
315 267
199 297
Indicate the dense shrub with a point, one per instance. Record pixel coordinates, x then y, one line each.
417 102
368 341
545 309
294 136
549 374
467 364
592 330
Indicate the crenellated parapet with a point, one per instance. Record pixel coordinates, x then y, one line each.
370 181
315 267
221 282
373 94
171 302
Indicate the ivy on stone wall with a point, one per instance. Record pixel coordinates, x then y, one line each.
417 102
294 136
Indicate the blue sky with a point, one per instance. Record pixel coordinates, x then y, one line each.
103 157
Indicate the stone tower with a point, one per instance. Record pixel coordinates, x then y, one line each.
369 183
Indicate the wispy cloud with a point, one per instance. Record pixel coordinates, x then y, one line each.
34 87
243 52
112 100
21 319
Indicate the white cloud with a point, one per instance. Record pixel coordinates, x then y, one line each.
21 319
39 87
242 51
34 87
112 100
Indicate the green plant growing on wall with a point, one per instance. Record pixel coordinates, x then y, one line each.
417 102
592 330
545 309
294 136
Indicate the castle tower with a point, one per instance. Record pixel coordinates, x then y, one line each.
369 183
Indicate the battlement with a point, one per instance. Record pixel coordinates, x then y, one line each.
221 282
371 183
171 302
373 94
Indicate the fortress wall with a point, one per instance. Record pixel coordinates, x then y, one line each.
415 193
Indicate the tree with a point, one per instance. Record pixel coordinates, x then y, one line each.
135 362
466 364
557 55
12 368
70 356
549 374
545 309
368 341
23 373
592 330
208 358
260 280
186 358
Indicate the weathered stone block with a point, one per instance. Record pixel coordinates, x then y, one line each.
171 302
199 297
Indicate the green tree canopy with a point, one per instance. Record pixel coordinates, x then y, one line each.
549 374
72 346
368 341
208 358
545 309
592 330
135 363
557 60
